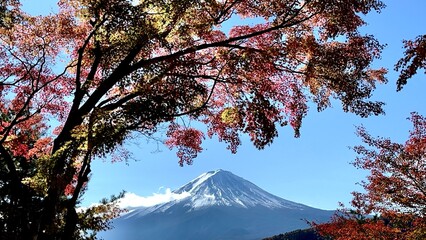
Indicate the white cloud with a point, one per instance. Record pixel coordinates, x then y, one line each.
135 2
134 200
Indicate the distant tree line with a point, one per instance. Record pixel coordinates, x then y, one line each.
300 234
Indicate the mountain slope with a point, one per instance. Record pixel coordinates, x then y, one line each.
220 205
222 188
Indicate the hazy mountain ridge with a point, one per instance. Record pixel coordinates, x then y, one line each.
220 205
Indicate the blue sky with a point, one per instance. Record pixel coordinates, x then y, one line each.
314 169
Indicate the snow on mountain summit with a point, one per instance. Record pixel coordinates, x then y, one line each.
223 188
215 205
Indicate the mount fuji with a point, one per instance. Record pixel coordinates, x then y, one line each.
218 205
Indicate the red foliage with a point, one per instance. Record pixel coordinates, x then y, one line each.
413 60
395 190
187 140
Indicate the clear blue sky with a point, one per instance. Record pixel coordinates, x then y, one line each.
314 169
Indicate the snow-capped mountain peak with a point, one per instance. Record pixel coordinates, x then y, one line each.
215 205
194 184
223 188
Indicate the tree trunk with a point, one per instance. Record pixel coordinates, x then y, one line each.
70 224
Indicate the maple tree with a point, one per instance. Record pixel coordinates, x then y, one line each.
106 68
395 190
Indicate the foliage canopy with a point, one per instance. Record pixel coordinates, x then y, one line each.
395 190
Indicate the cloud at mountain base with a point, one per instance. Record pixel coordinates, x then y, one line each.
133 200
